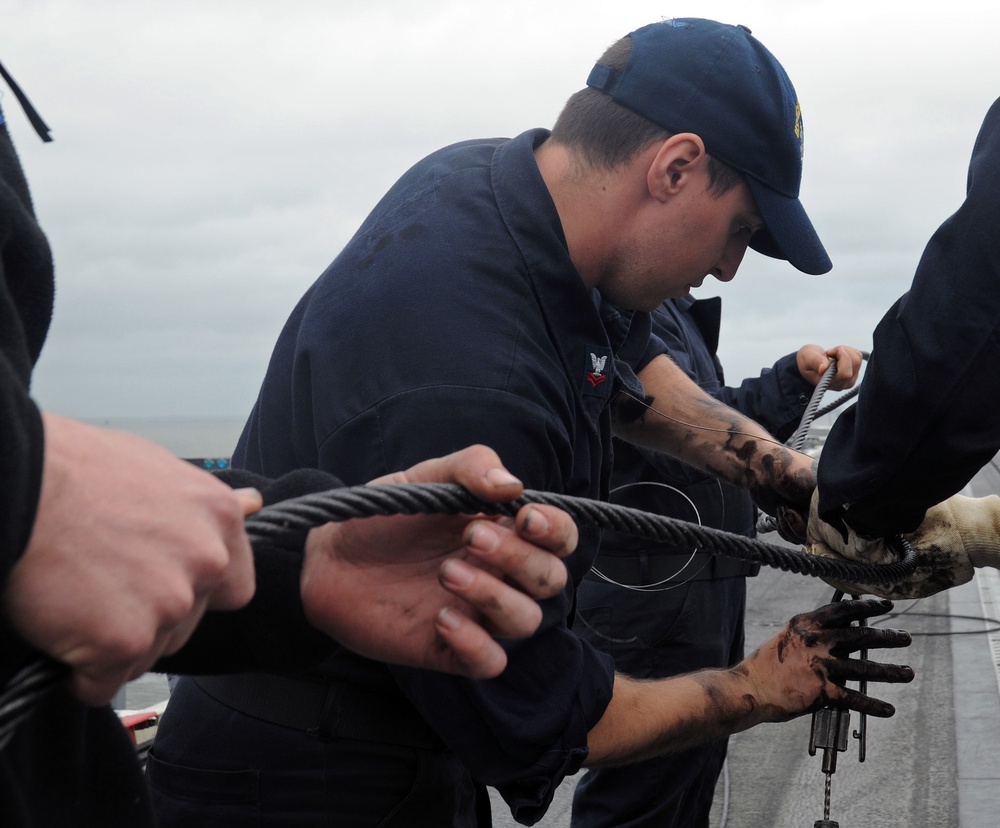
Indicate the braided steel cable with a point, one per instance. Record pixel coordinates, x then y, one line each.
291 517
798 439
847 395
288 519
813 411
831 406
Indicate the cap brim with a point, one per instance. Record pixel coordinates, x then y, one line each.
788 233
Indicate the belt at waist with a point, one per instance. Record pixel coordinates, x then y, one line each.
641 567
329 708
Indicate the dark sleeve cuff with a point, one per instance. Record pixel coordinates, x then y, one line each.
271 633
525 731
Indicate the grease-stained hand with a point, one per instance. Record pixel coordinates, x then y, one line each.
435 590
805 666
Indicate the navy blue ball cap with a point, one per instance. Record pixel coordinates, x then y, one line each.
721 83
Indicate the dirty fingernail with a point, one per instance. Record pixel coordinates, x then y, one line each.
456 573
536 523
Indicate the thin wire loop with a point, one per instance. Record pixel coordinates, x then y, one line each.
681 577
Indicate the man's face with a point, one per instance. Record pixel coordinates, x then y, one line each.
673 246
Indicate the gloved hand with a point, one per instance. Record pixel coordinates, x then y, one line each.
955 536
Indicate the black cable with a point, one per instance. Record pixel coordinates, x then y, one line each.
291 517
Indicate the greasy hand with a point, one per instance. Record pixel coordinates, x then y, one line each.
954 537
805 666
786 490
130 546
812 361
428 590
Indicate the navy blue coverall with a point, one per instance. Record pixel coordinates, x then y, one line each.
453 316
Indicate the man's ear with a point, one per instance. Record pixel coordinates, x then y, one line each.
678 158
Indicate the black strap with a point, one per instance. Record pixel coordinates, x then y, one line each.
36 120
323 707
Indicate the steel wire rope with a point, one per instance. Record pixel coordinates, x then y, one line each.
813 411
291 517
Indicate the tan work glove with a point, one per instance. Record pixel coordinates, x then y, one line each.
955 536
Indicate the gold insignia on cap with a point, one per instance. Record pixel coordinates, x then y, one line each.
798 128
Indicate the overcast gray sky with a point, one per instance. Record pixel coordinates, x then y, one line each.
211 158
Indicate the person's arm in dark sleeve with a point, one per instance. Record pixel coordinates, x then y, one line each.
20 485
925 420
271 633
26 289
688 333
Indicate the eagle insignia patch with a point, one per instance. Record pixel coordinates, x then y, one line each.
598 371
